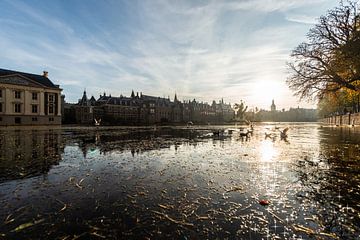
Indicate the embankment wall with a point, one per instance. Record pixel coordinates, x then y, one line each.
346 119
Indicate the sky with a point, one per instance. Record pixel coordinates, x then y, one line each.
203 50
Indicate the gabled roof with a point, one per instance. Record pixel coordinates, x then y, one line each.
34 77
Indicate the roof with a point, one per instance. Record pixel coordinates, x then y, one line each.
36 78
158 100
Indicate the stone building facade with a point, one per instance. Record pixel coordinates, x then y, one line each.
140 109
28 99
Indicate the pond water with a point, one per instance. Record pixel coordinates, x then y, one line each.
180 183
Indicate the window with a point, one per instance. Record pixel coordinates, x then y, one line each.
51 109
34 108
0 93
0 119
51 98
34 119
152 110
17 107
1 107
17 94
17 120
34 96
51 119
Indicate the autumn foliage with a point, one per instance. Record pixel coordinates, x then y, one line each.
327 66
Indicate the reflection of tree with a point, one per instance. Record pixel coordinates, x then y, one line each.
28 153
331 180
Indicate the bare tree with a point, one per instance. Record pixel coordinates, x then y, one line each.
330 59
240 109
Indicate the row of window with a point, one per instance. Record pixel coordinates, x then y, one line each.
17 95
17 108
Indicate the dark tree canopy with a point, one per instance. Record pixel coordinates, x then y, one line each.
330 59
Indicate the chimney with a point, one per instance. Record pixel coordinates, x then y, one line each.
45 74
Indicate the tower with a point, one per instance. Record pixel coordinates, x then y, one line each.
273 106
175 98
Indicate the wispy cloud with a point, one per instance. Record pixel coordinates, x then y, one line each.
205 50
302 19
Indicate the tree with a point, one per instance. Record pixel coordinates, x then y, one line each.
240 109
330 60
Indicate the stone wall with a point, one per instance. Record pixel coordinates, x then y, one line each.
346 119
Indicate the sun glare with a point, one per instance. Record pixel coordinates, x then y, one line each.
263 92
267 151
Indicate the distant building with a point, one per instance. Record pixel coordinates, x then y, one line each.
84 110
291 115
28 99
144 109
273 106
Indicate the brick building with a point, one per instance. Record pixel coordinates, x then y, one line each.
140 109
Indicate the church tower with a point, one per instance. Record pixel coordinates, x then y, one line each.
175 99
273 106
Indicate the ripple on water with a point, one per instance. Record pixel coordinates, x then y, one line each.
178 182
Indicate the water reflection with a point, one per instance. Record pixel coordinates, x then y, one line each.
28 153
330 181
182 183
138 141
267 151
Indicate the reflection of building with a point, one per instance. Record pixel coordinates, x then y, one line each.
29 153
136 141
144 109
28 99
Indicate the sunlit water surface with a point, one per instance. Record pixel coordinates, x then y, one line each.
180 183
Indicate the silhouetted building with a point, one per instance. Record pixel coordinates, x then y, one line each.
292 115
144 109
84 110
273 106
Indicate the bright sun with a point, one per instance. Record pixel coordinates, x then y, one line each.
262 92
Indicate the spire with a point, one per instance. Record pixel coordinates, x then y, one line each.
222 100
175 98
273 106
132 94
84 99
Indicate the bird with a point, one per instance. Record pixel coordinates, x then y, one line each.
97 122
245 134
283 133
